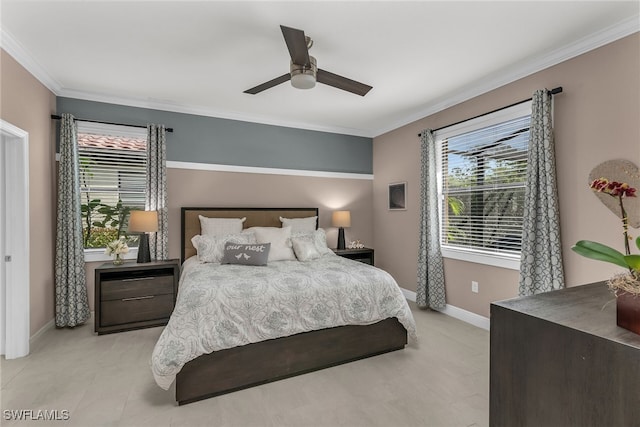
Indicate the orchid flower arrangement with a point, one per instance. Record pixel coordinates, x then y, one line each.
601 252
117 247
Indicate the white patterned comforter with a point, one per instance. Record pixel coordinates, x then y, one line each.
224 306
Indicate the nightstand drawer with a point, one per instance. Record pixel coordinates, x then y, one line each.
364 255
135 295
136 287
136 309
366 260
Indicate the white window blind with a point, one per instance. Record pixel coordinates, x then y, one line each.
112 182
483 177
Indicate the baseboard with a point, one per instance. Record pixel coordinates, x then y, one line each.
49 325
455 312
410 295
467 316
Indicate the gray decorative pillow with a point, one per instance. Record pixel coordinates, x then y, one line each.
305 248
319 237
255 254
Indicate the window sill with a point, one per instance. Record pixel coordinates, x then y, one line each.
511 262
97 255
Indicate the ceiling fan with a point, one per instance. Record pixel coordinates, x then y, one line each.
304 71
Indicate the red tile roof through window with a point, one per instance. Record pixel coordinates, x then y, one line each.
112 142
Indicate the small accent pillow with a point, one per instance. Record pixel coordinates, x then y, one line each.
280 239
211 248
319 238
305 248
255 254
300 224
220 226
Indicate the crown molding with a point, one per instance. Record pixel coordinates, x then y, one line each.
593 41
10 45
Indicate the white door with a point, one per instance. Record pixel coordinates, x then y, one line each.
14 233
3 252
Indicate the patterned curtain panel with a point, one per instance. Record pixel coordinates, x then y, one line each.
541 262
72 304
430 292
156 197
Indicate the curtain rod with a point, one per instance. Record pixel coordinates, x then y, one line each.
553 91
56 117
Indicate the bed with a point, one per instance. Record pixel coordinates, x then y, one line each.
232 361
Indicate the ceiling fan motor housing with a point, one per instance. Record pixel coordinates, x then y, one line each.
304 76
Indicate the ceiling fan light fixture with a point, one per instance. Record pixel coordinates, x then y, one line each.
303 80
304 77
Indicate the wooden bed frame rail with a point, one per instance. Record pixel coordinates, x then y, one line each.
254 364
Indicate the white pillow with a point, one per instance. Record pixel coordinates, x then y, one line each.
319 238
305 248
211 248
220 226
280 239
300 224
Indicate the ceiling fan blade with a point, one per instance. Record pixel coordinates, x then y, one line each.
297 45
342 83
268 85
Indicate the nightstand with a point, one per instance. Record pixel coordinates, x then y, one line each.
363 255
134 296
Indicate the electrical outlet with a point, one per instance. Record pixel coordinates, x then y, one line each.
474 287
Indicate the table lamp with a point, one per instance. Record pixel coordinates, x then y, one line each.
341 219
143 222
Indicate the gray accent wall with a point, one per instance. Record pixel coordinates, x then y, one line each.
212 140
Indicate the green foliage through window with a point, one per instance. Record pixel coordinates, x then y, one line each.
112 184
484 175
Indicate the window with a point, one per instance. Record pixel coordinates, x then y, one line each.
113 165
482 179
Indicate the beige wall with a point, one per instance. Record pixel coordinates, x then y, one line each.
596 119
190 188
27 104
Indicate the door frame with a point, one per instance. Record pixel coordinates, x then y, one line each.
16 307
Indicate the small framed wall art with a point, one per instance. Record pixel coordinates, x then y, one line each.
398 196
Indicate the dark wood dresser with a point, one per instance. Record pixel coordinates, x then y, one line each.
559 359
133 296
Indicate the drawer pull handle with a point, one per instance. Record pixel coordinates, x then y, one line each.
138 298
135 279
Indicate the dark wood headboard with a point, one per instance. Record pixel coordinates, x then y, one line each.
256 217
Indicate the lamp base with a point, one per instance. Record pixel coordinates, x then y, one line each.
341 238
144 255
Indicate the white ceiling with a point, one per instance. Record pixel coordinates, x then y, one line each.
198 57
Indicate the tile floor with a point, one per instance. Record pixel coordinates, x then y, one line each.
106 381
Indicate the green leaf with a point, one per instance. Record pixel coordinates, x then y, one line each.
599 252
633 261
456 205
638 242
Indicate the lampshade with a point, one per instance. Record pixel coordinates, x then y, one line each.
341 219
143 221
